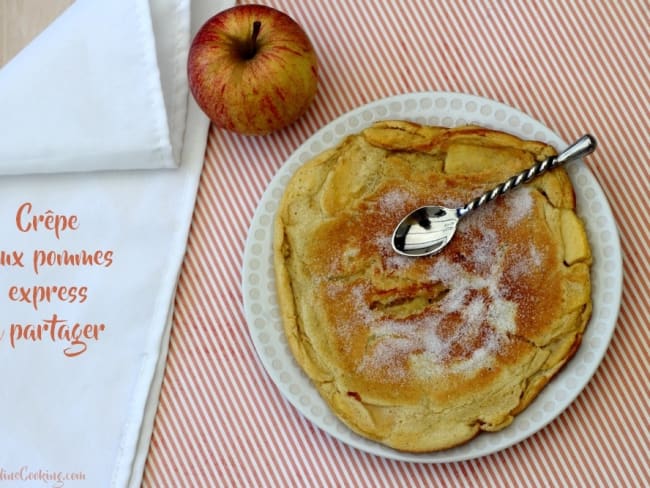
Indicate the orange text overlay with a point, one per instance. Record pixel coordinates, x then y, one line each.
55 329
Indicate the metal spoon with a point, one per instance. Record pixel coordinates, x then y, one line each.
429 229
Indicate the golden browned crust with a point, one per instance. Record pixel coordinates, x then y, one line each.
422 354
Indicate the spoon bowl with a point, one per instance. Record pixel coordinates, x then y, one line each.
427 230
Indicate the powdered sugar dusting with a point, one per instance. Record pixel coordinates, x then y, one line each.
461 333
475 311
459 330
488 303
520 203
394 200
483 253
535 256
530 258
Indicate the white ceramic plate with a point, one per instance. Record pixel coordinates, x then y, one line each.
445 109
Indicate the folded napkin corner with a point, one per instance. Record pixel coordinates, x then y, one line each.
100 89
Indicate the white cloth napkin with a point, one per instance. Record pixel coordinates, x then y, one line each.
93 247
104 87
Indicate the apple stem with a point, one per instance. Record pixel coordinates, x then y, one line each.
251 47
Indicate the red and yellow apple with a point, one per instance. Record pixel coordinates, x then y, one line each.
252 69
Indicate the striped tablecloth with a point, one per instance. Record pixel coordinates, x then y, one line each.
576 66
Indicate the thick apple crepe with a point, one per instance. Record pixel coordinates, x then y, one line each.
422 354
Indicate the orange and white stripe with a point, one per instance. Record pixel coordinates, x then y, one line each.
576 66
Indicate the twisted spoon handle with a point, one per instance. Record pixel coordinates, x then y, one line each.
582 147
